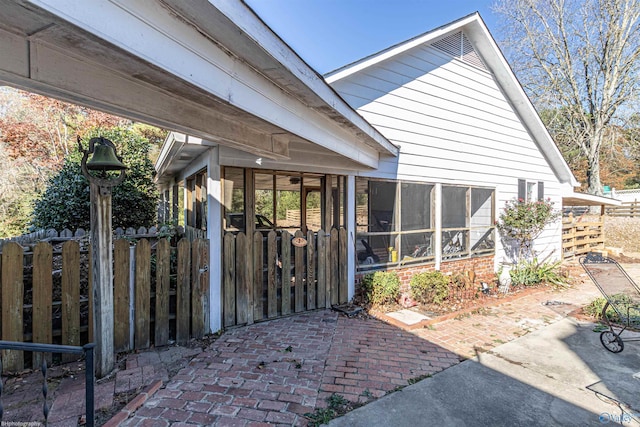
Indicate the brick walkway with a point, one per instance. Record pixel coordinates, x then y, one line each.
275 372
489 327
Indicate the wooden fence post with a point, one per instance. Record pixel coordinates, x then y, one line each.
70 296
323 299
163 269
199 289
229 280
258 262
311 272
272 276
12 295
121 299
102 278
243 265
285 269
42 299
143 297
183 291
299 272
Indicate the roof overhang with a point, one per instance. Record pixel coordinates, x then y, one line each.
211 69
582 199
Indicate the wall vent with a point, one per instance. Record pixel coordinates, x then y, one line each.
458 46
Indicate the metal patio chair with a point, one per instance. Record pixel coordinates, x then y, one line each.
621 293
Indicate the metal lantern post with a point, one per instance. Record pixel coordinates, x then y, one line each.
103 160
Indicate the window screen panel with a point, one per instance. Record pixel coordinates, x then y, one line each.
382 200
415 206
234 199
481 207
454 207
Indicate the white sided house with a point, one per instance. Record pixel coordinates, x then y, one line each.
301 184
469 141
460 139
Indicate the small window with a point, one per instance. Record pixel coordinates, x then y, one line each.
530 191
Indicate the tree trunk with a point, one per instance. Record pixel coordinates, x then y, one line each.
593 159
593 176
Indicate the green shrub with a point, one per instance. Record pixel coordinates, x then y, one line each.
528 273
429 287
65 203
523 221
381 287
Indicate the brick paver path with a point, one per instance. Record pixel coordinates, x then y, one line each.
275 372
489 327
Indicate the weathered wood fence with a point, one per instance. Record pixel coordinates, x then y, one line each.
580 237
160 294
279 277
628 209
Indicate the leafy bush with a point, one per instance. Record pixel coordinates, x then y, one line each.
381 287
527 273
523 221
429 287
65 202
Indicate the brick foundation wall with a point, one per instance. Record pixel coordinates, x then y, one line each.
482 266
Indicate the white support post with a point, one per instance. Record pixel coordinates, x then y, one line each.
185 203
214 230
351 232
437 196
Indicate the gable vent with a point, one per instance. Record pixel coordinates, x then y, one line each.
459 46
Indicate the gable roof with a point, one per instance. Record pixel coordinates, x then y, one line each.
474 30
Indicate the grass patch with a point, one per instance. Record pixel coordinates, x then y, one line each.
418 378
337 406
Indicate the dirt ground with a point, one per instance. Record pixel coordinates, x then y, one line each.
623 233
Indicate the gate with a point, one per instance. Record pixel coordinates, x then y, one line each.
277 274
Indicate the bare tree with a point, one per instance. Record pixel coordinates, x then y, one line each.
579 59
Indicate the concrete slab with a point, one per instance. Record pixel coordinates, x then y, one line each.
544 378
408 317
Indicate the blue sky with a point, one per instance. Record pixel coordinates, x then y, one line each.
328 34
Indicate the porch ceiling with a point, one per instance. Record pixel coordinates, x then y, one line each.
151 62
180 151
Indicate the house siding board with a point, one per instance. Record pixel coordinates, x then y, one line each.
453 125
441 73
438 114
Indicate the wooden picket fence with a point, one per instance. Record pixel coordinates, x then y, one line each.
270 276
580 237
160 294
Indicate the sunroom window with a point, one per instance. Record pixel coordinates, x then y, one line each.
394 222
467 221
